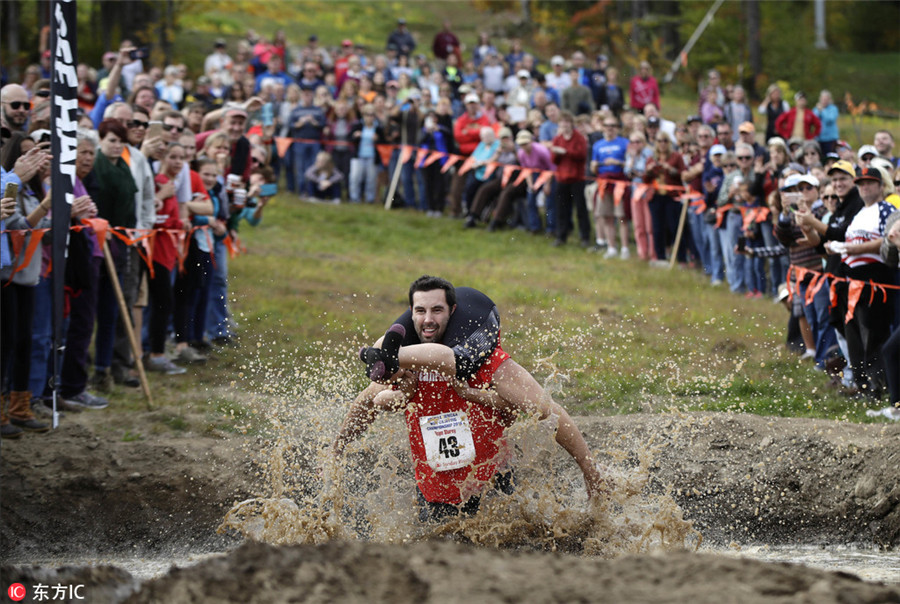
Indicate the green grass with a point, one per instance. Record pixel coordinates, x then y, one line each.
607 336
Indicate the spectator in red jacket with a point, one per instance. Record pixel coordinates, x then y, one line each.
569 149
799 122
644 88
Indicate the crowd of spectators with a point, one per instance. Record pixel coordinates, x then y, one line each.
173 158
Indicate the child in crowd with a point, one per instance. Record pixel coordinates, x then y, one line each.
325 180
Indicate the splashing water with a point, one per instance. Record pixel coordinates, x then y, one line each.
307 496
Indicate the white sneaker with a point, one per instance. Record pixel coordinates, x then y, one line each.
611 253
625 254
808 354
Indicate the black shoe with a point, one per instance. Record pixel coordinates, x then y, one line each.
558 243
469 223
493 226
10 431
223 341
585 243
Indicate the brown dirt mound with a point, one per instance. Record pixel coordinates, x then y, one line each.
445 572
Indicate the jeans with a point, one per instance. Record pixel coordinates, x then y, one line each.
817 315
701 243
665 213
734 263
890 354
714 245
363 169
407 175
532 215
190 287
304 157
287 164
217 322
41 338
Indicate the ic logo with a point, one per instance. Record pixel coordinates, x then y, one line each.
16 592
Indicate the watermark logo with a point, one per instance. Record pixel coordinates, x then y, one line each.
16 592
41 593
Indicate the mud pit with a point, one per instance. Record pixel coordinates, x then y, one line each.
83 491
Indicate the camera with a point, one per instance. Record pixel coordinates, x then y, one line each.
139 53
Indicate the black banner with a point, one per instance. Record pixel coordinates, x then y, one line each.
64 145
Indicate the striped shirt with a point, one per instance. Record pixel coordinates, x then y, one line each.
867 225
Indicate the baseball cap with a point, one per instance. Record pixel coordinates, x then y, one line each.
777 141
832 155
693 119
235 110
313 38
524 137
717 150
557 60
307 87
653 121
220 42
414 94
747 127
392 84
844 166
602 58
799 95
401 21
523 73
810 180
505 132
791 181
866 150
203 81
347 42
471 98
869 174
110 56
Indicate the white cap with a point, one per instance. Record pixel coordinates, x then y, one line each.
791 181
472 98
557 60
523 73
810 180
865 150
717 150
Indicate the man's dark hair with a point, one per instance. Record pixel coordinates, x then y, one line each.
427 283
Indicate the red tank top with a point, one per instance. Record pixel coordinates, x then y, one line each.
438 415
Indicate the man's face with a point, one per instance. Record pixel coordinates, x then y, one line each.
123 114
869 190
884 144
173 127
16 106
430 314
724 133
233 125
842 183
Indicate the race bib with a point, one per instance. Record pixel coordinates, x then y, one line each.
448 440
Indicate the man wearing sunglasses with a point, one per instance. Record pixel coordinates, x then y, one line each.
15 108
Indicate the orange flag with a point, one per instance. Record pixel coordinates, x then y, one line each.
489 169
18 238
405 153
466 165
433 157
507 174
384 152
282 144
420 157
545 176
854 289
451 159
619 191
523 174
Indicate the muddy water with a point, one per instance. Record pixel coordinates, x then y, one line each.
867 564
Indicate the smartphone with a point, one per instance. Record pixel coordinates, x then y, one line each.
154 129
268 117
139 53
268 190
12 189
